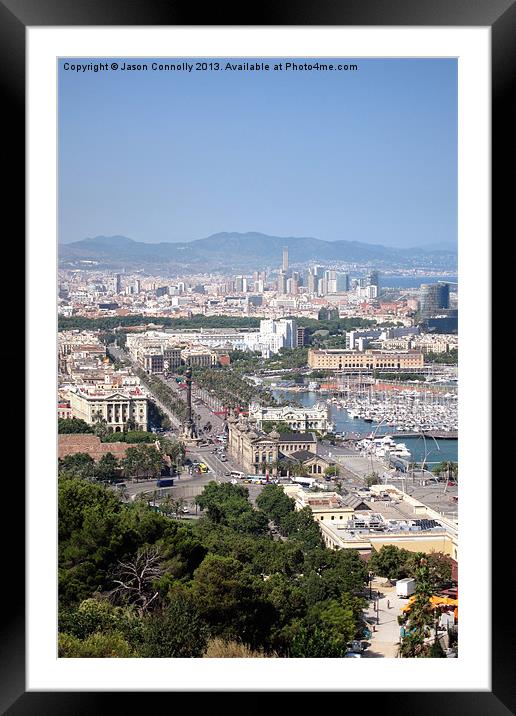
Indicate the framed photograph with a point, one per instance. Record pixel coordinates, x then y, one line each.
251 252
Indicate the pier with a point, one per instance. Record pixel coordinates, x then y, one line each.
436 435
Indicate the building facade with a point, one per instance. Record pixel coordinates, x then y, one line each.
116 408
256 451
367 360
434 297
299 419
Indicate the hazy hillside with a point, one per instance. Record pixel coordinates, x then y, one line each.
236 252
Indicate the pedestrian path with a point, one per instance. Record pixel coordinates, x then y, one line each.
384 639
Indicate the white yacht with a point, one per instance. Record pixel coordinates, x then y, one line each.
401 450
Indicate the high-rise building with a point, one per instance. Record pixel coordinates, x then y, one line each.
282 283
311 282
292 287
330 278
433 298
241 284
373 279
342 282
302 336
284 266
322 287
115 283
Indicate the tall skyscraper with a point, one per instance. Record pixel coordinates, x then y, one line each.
115 283
241 284
292 286
342 282
331 281
284 266
373 279
433 298
282 282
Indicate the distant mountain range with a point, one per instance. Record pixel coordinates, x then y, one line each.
233 252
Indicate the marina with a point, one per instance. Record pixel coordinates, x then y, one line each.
402 410
422 447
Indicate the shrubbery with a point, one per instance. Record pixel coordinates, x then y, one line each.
221 581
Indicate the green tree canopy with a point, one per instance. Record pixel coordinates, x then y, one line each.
79 464
108 467
178 631
142 461
390 562
65 426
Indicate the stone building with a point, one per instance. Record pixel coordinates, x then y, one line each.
299 419
254 450
115 407
336 359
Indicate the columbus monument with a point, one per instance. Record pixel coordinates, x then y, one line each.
189 430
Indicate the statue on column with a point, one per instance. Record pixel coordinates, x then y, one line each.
189 431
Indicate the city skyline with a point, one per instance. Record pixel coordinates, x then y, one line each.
368 156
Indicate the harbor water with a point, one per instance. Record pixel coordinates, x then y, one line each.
436 450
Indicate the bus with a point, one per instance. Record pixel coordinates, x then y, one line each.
236 473
165 482
257 479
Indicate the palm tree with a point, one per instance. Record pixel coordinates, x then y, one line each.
278 466
177 506
298 469
448 469
411 467
100 425
123 493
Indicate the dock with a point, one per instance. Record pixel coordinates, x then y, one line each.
435 435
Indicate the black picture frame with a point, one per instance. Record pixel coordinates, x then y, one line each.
15 17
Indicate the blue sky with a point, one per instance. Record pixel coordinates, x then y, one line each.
365 156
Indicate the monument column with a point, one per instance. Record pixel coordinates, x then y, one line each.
189 431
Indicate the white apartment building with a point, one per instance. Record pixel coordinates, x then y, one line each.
272 335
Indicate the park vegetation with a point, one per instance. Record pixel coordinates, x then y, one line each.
449 358
395 563
239 582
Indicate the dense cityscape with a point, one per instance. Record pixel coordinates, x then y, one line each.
259 463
